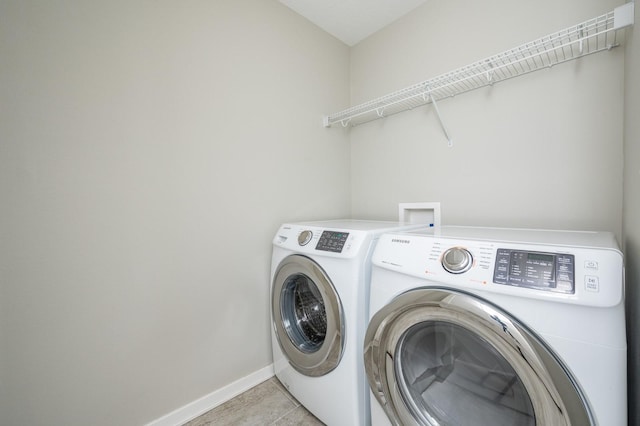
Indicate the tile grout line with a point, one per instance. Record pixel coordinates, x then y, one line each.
283 416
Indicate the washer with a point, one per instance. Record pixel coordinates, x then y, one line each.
320 275
486 326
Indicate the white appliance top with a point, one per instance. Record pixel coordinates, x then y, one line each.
604 240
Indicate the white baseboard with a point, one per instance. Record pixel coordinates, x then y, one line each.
212 400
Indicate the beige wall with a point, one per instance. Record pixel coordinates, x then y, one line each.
148 152
631 224
542 150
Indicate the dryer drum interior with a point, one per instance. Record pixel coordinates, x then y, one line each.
307 316
442 357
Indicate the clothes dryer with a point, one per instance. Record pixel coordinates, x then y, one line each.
319 309
481 326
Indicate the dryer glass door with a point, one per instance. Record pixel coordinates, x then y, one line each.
452 376
438 356
307 316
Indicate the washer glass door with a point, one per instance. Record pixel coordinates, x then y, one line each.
307 316
436 356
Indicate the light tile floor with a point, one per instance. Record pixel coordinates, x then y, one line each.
268 403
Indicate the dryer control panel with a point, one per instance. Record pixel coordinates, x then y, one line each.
583 268
541 270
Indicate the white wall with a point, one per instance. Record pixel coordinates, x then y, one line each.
148 152
542 150
631 224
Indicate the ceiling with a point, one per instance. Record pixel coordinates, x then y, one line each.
352 20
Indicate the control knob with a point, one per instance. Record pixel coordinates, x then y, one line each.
457 260
305 237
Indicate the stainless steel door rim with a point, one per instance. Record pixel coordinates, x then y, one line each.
555 397
307 316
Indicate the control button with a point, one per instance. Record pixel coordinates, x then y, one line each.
566 259
500 278
591 283
565 276
305 237
457 260
565 286
564 267
515 280
591 264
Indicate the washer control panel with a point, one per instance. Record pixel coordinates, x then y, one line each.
539 270
332 241
339 241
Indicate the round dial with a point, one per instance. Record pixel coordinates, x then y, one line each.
457 260
305 237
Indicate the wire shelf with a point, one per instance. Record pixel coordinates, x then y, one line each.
592 36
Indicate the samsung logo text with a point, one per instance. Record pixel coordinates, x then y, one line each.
397 240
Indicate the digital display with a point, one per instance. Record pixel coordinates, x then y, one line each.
541 257
544 271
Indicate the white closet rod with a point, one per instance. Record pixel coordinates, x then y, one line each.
594 35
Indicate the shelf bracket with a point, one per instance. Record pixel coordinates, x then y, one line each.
444 128
581 39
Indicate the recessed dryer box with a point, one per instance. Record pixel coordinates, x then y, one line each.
420 213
